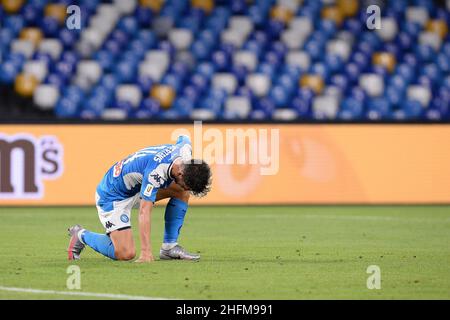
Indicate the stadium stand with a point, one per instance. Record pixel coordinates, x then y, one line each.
282 60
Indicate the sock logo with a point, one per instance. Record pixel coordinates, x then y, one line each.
25 161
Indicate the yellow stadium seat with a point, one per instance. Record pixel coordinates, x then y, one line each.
313 82
437 26
12 6
25 84
281 13
206 5
155 5
384 59
57 11
333 13
32 34
164 94
348 8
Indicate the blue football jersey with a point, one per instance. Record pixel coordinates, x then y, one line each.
145 172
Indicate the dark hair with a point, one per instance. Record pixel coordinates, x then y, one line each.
197 177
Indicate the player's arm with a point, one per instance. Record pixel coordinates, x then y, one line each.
145 212
152 181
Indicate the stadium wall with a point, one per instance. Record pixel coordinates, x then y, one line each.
317 164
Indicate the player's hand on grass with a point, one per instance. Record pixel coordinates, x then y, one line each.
145 257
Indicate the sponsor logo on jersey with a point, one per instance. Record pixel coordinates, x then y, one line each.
148 191
117 170
155 178
164 153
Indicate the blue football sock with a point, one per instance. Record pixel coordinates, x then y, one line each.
174 218
100 243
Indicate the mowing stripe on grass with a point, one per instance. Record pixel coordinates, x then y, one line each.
77 293
372 218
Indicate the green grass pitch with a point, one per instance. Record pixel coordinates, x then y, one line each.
304 252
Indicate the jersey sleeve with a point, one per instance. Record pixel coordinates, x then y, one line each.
154 178
157 174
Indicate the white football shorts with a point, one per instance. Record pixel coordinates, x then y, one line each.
119 217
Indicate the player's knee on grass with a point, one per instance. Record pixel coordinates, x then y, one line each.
125 254
124 248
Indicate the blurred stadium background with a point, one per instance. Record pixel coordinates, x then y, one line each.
362 115
226 60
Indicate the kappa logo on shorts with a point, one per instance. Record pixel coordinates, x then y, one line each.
124 218
109 225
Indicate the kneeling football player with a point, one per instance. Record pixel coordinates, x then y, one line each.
149 175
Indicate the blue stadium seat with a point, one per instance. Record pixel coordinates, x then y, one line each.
223 52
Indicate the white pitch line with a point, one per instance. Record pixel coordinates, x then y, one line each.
77 293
